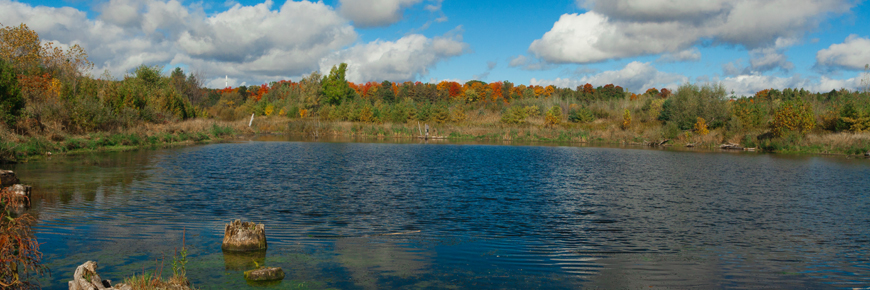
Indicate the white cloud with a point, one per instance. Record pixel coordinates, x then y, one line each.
374 13
257 43
852 54
616 29
524 63
401 60
692 54
747 85
637 77
634 77
767 59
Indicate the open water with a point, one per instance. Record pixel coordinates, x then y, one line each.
432 216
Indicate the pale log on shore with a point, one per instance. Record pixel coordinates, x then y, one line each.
86 278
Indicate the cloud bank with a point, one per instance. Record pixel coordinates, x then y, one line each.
614 29
251 44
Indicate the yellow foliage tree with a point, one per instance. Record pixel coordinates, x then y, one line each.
701 127
626 119
269 110
554 116
20 46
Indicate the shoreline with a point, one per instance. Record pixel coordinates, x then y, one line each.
207 131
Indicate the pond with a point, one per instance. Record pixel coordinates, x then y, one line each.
352 215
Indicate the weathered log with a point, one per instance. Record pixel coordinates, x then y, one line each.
731 146
265 274
86 278
244 236
8 178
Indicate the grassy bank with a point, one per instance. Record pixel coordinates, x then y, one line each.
598 132
18 148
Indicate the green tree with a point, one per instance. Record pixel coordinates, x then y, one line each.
386 92
11 101
335 86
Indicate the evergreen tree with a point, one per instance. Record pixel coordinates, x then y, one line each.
386 92
335 86
11 101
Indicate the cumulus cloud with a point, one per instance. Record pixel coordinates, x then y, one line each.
258 43
692 54
401 60
637 77
525 63
614 29
634 77
374 13
853 54
747 85
767 59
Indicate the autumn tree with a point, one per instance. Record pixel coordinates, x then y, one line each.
20 47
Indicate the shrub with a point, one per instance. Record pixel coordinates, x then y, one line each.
554 116
532 111
458 115
701 127
626 119
441 114
581 115
514 115
795 116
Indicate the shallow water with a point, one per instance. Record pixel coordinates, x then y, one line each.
461 216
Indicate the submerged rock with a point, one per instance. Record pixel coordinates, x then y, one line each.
244 237
240 261
265 274
86 278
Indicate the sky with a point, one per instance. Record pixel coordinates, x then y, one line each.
745 45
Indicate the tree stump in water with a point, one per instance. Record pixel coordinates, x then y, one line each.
8 178
244 237
9 182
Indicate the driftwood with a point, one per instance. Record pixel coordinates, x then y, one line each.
656 143
244 237
730 146
86 278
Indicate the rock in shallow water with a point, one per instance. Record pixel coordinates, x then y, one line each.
265 274
244 237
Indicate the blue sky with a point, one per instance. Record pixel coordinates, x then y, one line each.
746 45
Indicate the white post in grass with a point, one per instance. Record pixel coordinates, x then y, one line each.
252 120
